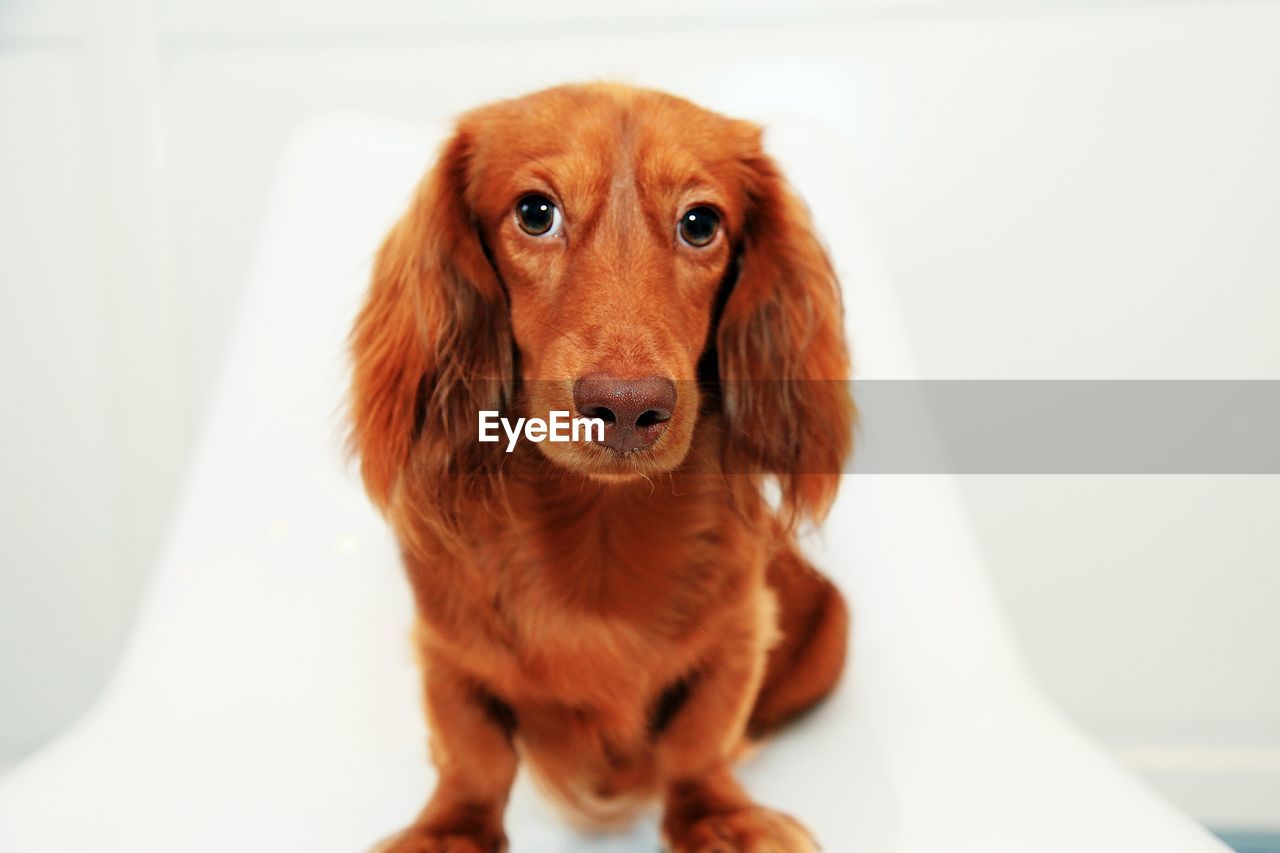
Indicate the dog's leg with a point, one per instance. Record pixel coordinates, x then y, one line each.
712 814
705 809
471 748
807 661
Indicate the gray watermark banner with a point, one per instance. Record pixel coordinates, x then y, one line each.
961 427
1066 427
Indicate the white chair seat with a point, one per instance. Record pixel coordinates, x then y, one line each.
268 699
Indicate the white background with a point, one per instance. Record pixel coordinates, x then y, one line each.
1063 190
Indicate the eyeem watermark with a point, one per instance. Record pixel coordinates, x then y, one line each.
558 427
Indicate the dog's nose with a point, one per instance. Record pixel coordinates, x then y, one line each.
634 411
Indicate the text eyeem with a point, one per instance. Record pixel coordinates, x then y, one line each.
559 426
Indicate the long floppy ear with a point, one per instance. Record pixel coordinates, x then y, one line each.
432 344
784 366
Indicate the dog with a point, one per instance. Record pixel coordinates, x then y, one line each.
625 614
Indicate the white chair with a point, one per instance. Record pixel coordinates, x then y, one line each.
268 699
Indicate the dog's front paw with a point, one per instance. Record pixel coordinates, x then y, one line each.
422 839
748 830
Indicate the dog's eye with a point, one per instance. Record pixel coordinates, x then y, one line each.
537 215
698 226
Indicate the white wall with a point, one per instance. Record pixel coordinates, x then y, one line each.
1063 190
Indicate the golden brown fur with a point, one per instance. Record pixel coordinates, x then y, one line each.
622 622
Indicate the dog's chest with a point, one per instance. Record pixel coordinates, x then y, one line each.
607 610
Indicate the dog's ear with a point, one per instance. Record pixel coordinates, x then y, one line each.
782 357
432 344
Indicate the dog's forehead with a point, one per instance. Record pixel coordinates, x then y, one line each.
586 136
617 114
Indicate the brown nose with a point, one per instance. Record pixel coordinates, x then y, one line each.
634 411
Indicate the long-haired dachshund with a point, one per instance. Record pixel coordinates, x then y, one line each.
625 613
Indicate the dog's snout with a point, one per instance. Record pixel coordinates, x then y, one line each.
634 411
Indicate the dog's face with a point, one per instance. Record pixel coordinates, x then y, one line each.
587 249
612 218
